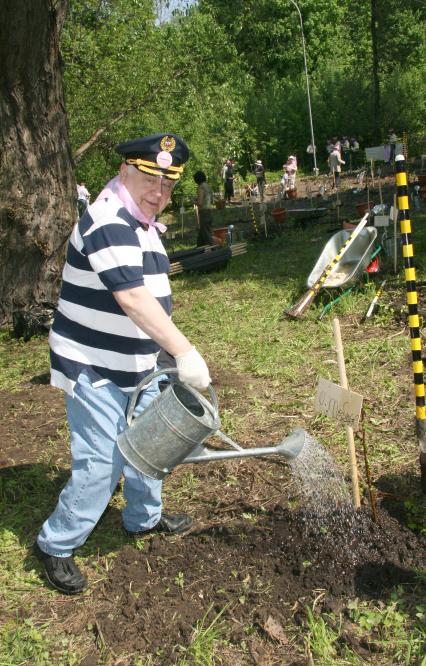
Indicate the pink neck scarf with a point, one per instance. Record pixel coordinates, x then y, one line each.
115 188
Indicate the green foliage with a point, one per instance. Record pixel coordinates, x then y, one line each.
126 76
230 78
207 635
388 623
23 643
415 508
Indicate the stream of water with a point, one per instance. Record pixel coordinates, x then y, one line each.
322 489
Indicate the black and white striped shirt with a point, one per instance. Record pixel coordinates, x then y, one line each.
109 250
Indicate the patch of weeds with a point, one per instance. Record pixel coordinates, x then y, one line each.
22 642
250 517
230 422
397 626
144 661
187 489
232 480
416 514
180 580
322 640
205 640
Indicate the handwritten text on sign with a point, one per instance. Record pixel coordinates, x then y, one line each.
338 403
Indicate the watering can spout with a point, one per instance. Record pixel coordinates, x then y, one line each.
292 446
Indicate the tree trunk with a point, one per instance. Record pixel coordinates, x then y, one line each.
375 71
37 184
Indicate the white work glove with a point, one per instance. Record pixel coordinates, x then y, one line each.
192 369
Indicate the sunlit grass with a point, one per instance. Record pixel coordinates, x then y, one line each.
20 361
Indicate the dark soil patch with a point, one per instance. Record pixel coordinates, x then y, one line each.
28 419
251 558
154 597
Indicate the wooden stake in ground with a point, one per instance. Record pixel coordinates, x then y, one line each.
338 207
375 299
368 191
371 492
372 172
349 429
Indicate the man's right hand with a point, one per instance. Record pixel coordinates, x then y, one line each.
192 369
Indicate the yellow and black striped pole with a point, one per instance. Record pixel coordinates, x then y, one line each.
253 218
412 301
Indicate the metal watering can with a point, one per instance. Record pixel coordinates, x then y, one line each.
172 429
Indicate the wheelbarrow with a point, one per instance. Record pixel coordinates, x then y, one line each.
349 270
173 428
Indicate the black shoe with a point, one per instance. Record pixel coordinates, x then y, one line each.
168 524
61 572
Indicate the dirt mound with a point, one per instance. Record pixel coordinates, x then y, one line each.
155 596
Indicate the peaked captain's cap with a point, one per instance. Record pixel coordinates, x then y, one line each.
156 154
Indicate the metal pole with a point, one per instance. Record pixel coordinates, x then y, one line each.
307 87
413 316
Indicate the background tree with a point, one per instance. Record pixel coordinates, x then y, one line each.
37 186
126 75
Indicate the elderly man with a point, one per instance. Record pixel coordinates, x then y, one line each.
113 318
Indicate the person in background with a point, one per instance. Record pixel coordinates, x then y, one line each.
112 320
354 151
415 197
329 147
336 144
291 169
392 139
251 191
259 171
83 198
284 183
310 151
346 147
203 201
228 180
335 162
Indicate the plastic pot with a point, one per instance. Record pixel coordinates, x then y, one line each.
363 207
279 214
220 234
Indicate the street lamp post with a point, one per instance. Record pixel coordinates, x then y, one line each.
307 88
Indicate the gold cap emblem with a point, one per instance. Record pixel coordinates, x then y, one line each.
168 143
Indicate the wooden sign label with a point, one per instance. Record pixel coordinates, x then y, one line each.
381 220
338 403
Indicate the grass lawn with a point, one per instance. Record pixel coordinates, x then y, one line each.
266 369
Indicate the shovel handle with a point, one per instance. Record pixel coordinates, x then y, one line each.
172 371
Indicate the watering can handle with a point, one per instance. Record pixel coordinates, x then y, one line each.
167 371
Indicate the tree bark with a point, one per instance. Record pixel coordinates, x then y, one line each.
375 72
37 183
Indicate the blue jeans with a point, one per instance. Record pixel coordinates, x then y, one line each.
96 416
